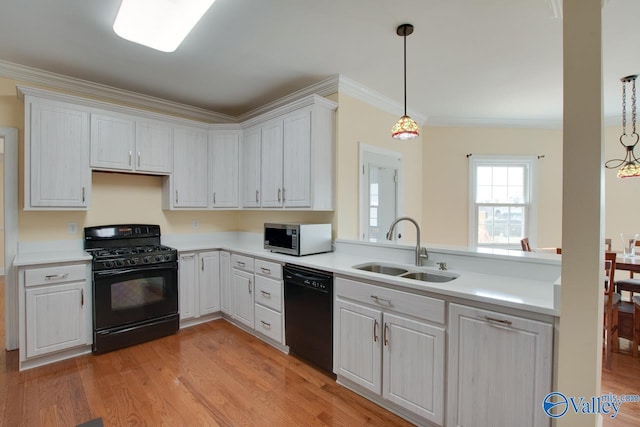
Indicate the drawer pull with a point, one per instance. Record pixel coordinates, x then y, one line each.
249 286
81 297
501 321
265 270
379 300
266 294
384 334
56 276
375 331
265 324
240 263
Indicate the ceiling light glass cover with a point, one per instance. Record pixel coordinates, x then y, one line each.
406 127
159 24
630 165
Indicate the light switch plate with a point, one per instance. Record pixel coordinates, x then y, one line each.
72 228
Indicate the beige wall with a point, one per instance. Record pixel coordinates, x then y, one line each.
360 122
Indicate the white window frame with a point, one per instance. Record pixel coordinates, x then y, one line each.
530 206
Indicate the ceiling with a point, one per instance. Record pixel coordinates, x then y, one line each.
473 61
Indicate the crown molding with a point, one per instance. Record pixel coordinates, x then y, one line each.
359 91
86 88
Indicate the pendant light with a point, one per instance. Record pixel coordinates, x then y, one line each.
406 127
630 165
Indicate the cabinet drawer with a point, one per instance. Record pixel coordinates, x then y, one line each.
269 292
242 262
427 308
268 323
48 275
269 269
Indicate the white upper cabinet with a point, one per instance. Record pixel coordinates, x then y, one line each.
250 166
127 143
188 184
224 153
57 173
294 147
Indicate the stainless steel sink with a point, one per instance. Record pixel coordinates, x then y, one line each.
429 277
376 267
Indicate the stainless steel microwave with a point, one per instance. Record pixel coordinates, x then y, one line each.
297 239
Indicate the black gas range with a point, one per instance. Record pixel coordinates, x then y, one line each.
135 285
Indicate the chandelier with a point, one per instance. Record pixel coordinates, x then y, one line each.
630 165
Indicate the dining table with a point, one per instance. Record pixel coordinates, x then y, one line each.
628 263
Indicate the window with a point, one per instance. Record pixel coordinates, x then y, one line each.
502 210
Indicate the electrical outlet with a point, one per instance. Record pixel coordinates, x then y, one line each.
195 223
72 228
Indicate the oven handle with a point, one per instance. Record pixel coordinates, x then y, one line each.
121 271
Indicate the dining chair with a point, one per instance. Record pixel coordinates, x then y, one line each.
525 244
611 302
636 326
607 245
631 285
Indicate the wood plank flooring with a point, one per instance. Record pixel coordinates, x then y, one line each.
210 375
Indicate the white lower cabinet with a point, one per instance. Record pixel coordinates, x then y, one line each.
389 353
199 284
500 369
242 283
56 304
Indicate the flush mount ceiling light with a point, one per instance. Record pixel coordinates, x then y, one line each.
159 24
406 127
630 165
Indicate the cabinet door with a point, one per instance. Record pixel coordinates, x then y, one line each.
243 296
59 156
271 174
296 190
189 176
223 169
499 369
359 336
209 282
56 318
250 161
187 281
413 370
226 296
112 142
154 147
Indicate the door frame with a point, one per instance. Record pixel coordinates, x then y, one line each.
10 136
363 184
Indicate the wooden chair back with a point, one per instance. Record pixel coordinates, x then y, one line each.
611 302
524 243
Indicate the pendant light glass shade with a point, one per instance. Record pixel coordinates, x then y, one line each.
629 166
406 127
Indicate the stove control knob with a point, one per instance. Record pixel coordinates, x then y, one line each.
119 263
132 261
146 260
108 264
167 257
158 258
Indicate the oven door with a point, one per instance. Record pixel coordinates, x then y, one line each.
128 295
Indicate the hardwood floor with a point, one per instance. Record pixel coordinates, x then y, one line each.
623 378
207 375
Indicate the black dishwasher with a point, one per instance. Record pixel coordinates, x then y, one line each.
308 315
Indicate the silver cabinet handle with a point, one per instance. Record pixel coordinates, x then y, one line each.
240 263
81 297
501 321
266 294
56 276
257 196
384 334
265 270
139 159
130 158
279 191
214 197
83 194
176 196
375 331
283 195
249 286
202 264
265 324
378 299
